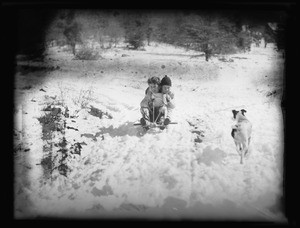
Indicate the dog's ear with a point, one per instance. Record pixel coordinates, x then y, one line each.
243 111
234 112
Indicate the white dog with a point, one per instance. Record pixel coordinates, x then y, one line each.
241 133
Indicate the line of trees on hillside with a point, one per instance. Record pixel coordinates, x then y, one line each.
211 33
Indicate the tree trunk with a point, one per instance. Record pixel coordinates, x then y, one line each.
206 56
73 48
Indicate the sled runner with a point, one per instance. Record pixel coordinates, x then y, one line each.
154 125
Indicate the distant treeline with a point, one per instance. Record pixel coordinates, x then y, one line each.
210 32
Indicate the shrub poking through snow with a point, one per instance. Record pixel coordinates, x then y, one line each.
56 149
87 53
50 122
84 98
98 113
76 148
26 87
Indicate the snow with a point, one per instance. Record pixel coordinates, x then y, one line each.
161 174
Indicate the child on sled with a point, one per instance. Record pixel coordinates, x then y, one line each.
157 102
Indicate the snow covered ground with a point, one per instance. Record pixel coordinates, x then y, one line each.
104 167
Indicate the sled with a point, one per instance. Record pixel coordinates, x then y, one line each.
153 125
156 121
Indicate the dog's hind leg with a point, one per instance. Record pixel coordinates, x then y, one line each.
238 147
242 154
248 147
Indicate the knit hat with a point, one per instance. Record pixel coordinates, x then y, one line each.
154 80
166 81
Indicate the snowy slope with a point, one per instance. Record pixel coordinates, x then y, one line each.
175 173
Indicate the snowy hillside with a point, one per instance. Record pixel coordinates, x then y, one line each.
77 153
